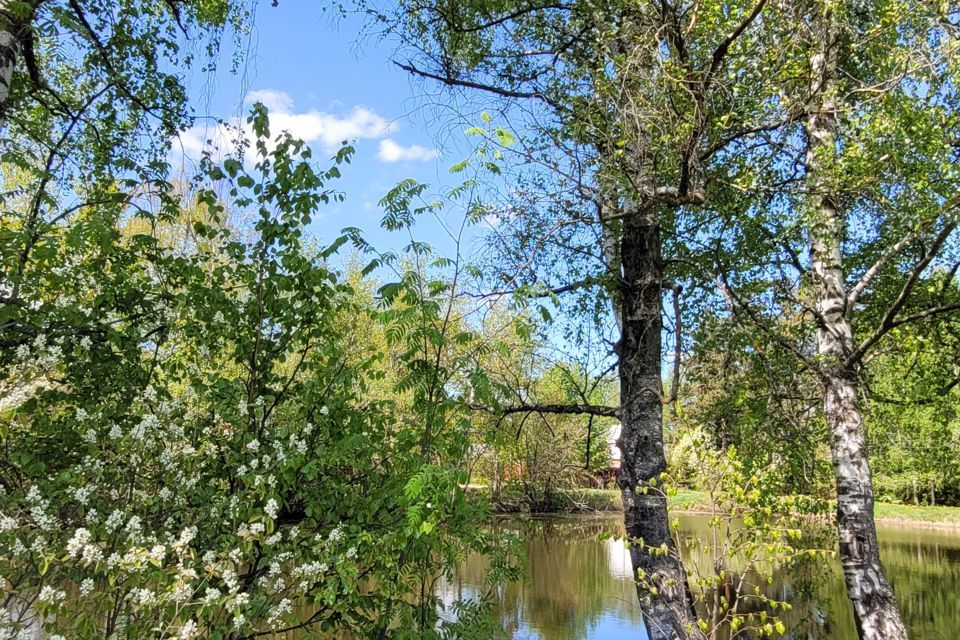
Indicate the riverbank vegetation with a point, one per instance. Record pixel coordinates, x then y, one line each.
706 256
588 501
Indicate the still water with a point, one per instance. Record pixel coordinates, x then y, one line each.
579 585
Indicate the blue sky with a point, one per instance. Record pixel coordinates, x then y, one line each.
324 83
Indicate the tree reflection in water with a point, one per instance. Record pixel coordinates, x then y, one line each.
579 584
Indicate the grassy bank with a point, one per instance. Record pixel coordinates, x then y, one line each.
608 500
884 512
909 514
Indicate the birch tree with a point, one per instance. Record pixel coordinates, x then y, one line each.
874 604
626 106
852 221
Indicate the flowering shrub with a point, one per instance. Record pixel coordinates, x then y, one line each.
196 444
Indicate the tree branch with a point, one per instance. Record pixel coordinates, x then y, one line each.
890 320
872 272
584 409
456 82
721 51
678 334
935 397
545 293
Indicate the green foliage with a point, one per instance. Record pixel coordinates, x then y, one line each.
200 445
529 458
913 419
755 531
742 389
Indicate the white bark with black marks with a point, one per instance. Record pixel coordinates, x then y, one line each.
9 44
874 604
16 40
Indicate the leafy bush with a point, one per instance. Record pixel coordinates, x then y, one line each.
197 442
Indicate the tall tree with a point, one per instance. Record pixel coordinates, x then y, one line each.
15 38
845 226
112 40
626 105
874 605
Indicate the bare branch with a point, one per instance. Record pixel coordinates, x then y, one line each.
544 293
890 320
872 272
457 82
583 409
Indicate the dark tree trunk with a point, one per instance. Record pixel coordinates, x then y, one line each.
586 464
662 583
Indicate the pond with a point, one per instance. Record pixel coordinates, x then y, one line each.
580 588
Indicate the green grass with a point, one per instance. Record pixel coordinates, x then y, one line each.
599 500
909 512
687 499
884 511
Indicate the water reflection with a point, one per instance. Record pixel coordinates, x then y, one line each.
579 585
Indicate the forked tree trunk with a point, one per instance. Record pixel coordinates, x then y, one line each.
874 605
667 608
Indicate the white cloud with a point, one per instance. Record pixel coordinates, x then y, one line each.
271 99
324 129
218 138
328 129
390 151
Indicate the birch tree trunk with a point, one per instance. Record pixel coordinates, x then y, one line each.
668 607
874 604
9 45
15 24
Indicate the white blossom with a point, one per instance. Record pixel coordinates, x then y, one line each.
188 631
7 523
211 595
283 608
86 586
50 595
114 520
143 597
186 537
272 508
81 537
